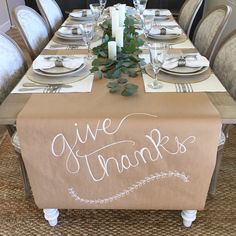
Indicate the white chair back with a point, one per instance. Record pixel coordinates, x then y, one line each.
33 29
51 13
12 65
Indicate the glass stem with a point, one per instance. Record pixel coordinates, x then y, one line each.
89 50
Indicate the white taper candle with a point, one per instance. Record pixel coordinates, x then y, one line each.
122 8
114 22
112 50
120 37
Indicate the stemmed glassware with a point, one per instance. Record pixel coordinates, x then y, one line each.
102 5
158 53
141 6
88 33
148 21
96 10
135 3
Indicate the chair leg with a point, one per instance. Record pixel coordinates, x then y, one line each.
25 178
212 188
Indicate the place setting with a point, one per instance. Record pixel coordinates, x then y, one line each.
82 15
174 70
159 14
57 73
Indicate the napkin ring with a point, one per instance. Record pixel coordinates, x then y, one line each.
84 13
181 62
58 62
74 31
162 31
157 13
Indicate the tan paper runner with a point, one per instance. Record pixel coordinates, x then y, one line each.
149 151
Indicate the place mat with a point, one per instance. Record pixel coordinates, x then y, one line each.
212 84
163 76
82 84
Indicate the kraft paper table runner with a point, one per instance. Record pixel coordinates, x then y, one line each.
149 151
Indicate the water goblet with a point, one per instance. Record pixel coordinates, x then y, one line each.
157 54
88 33
148 21
102 5
141 8
135 3
96 10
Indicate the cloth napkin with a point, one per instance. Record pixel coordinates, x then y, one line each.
190 60
70 30
47 62
162 12
169 31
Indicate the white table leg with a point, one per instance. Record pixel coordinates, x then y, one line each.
51 216
188 217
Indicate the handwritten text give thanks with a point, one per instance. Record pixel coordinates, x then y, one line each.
97 162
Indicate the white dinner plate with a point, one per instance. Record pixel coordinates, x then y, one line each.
164 37
77 15
186 71
58 71
162 17
68 37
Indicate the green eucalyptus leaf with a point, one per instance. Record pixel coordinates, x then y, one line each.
112 85
94 68
122 81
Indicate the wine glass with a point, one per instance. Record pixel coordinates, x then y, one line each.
135 3
88 33
96 10
141 8
157 54
148 21
102 5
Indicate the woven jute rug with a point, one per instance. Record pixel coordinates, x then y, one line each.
21 217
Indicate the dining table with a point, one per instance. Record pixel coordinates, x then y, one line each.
86 148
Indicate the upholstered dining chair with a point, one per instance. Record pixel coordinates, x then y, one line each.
51 13
209 30
12 67
33 29
187 14
224 67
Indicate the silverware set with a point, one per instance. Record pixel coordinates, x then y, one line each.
67 47
184 88
50 88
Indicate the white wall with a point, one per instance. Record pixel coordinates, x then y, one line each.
4 17
6 7
210 4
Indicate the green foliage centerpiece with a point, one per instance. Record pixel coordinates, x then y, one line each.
127 62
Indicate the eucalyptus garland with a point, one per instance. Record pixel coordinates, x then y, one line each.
126 63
